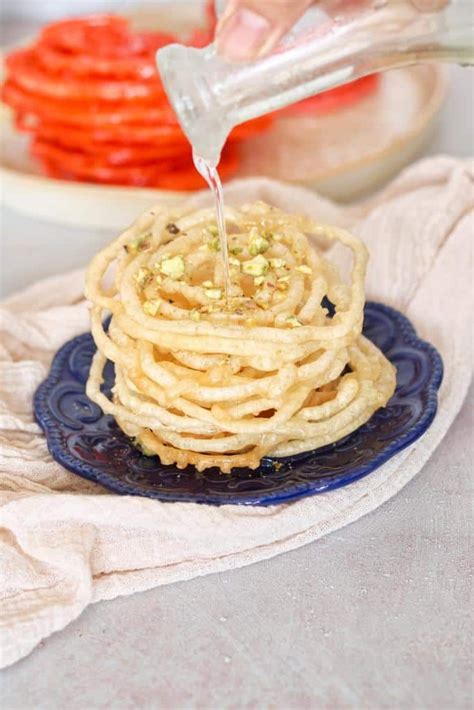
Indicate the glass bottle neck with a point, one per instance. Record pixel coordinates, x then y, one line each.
211 96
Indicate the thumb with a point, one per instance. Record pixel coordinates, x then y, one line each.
251 28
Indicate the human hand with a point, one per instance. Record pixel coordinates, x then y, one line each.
251 28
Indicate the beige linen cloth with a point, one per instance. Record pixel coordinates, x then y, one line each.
67 542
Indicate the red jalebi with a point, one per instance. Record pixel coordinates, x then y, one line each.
89 93
173 174
25 66
87 113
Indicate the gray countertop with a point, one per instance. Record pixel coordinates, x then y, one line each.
372 616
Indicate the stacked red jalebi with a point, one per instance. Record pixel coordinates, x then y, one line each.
89 93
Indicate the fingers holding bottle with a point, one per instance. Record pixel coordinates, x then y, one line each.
249 29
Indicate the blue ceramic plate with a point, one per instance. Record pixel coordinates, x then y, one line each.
88 443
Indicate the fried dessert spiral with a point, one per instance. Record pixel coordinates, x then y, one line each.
206 381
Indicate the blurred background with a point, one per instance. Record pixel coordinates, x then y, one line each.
54 9
22 14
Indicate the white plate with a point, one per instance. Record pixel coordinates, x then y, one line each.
342 155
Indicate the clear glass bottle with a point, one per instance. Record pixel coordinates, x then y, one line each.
334 43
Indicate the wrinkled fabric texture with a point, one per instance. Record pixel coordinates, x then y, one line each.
66 542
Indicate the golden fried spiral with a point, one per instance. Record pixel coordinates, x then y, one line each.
207 381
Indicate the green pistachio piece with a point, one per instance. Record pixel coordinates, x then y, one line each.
142 243
304 269
173 267
143 276
214 293
258 266
277 263
214 244
257 243
152 307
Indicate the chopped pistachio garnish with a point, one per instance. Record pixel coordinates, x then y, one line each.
258 266
258 246
140 244
236 250
195 315
257 243
258 280
277 263
233 261
142 276
214 244
293 322
152 307
304 269
207 284
214 293
213 231
173 267
172 228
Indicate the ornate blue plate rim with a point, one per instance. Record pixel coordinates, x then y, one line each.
406 335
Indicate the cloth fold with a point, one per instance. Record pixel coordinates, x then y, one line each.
66 542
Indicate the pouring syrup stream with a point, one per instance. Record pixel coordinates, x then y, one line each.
211 96
209 172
